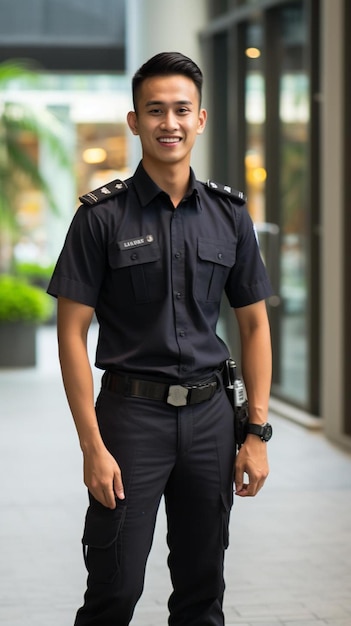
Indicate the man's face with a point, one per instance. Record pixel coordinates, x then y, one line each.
168 118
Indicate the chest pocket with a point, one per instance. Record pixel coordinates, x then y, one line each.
137 272
214 261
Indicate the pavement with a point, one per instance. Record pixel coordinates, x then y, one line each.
288 563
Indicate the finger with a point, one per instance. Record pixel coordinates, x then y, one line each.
243 491
260 480
248 489
105 496
252 488
260 484
239 483
118 487
109 498
238 477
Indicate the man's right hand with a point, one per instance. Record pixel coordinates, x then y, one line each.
103 478
102 475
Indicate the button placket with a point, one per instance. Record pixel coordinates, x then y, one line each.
179 289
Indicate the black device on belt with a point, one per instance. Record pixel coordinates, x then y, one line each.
176 395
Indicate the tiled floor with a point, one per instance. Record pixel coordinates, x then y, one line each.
289 559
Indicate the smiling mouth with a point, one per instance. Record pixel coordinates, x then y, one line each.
169 140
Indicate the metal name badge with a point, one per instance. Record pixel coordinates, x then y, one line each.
136 242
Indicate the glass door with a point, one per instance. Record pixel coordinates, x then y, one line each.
265 76
277 176
293 356
255 116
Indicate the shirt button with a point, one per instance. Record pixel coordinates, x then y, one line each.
134 256
177 255
220 255
182 333
178 295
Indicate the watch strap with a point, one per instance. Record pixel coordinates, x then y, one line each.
264 431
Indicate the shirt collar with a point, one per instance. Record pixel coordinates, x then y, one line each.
147 189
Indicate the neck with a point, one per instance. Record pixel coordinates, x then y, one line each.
172 178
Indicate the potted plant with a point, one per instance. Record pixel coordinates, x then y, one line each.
34 273
22 308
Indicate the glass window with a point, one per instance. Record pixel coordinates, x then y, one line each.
293 151
249 2
220 106
270 76
255 114
276 171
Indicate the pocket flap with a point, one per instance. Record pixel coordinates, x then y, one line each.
216 252
133 256
102 528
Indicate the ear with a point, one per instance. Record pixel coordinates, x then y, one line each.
202 121
132 121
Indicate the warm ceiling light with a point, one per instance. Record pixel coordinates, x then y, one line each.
253 53
259 175
94 155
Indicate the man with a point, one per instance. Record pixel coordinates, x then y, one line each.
151 257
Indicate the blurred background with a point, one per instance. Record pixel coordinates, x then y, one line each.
277 90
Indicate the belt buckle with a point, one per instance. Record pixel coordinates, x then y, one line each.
177 395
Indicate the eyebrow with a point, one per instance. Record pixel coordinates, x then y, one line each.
160 102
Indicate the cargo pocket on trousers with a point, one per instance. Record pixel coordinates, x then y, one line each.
227 502
102 543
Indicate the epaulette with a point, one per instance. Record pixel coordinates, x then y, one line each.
102 193
225 190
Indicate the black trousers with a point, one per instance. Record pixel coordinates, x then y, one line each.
187 455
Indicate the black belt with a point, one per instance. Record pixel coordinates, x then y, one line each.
177 395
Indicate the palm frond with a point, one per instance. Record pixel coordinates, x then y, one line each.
13 70
42 124
16 120
20 161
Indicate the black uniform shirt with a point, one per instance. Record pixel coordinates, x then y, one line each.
155 275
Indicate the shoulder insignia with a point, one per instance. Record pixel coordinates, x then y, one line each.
225 190
102 193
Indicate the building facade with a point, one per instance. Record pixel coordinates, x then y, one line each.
278 95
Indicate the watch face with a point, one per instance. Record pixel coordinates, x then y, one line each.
267 432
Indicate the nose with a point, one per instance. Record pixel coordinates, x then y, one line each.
170 121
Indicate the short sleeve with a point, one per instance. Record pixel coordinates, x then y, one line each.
81 265
248 281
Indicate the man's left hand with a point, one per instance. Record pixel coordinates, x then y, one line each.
252 460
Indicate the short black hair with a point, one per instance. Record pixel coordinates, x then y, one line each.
167 64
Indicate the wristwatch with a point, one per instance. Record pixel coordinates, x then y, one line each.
264 431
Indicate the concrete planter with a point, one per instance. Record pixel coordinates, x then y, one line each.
17 344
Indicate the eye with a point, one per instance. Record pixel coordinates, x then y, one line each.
155 111
183 110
